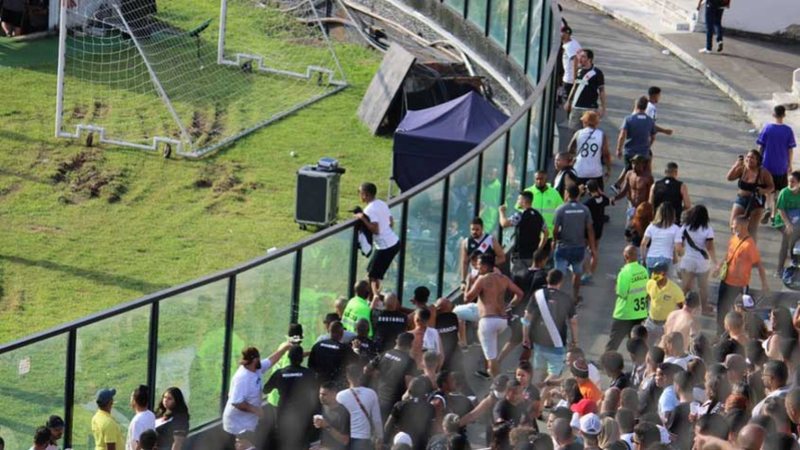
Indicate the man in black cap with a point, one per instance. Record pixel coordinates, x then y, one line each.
297 388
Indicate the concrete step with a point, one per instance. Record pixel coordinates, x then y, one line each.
679 15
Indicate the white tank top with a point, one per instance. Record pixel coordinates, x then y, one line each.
589 153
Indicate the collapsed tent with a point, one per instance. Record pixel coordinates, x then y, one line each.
428 140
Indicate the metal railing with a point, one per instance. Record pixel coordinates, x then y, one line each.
188 335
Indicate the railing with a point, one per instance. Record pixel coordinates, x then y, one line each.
189 335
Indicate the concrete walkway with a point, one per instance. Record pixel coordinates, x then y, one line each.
749 71
710 131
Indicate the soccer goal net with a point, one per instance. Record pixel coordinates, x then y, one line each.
192 75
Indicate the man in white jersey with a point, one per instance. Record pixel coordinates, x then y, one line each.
590 147
379 221
569 64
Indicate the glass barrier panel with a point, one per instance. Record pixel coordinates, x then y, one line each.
423 239
514 172
460 211
263 308
458 5
111 353
476 13
31 389
492 176
191 341
534 47
519 30
390 279
534 141
323 279
498 22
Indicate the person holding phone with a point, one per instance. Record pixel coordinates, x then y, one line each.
754 183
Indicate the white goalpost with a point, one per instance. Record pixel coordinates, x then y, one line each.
187 76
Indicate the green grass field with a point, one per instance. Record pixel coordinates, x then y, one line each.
87 228
84 229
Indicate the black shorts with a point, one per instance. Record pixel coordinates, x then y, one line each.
12 17
380 262
780 182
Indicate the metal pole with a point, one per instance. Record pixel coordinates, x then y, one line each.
223 19
62 56
152 351
443 237
401 263
227 351
478 184
154 78
506 151
509 26
352 273
69 386
298 267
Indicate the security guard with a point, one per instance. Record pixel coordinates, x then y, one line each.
358 308
632 305
545 198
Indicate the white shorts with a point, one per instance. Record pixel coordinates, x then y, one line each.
489 329
467 312
694 265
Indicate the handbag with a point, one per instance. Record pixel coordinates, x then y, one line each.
723 270
691 243
376 441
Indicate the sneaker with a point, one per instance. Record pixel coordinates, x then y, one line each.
483 374
719 46
606 218
765 218
704 50
586 278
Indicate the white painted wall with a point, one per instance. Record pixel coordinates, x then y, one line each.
762 16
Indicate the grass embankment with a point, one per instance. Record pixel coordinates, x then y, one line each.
84 229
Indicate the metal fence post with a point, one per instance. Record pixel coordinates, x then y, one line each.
401 263
443 237
298 267
227 351
69 385
152 352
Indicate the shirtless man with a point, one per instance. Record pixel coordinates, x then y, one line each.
683 320
636 185
490 290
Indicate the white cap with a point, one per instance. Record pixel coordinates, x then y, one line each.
747 301
590 424
403 438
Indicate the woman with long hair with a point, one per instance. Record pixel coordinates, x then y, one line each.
699 253
642 217
172 420
717 390
783 329
662 238
754 184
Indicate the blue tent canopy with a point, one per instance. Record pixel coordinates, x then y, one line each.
428 140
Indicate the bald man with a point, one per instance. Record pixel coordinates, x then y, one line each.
447 325
631 305
751 437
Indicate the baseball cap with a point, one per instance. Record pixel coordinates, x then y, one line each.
660 267
638 158
747 301
590 424
579 368
584 407
403 438
54 422
104 396
566 29
249 354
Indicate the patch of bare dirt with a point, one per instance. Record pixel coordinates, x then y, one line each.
225 178
86 177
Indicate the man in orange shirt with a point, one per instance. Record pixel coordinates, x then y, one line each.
742 256
580 369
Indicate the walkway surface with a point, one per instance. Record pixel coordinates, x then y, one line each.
710 131
750 70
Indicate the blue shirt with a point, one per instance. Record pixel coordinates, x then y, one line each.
776 139
667 402
639 128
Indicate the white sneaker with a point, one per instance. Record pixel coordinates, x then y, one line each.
704 50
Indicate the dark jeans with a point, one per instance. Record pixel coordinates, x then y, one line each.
620 330
361 444
727 297
713 24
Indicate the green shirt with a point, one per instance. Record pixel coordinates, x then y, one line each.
631 292
789 202
357 308
546 203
